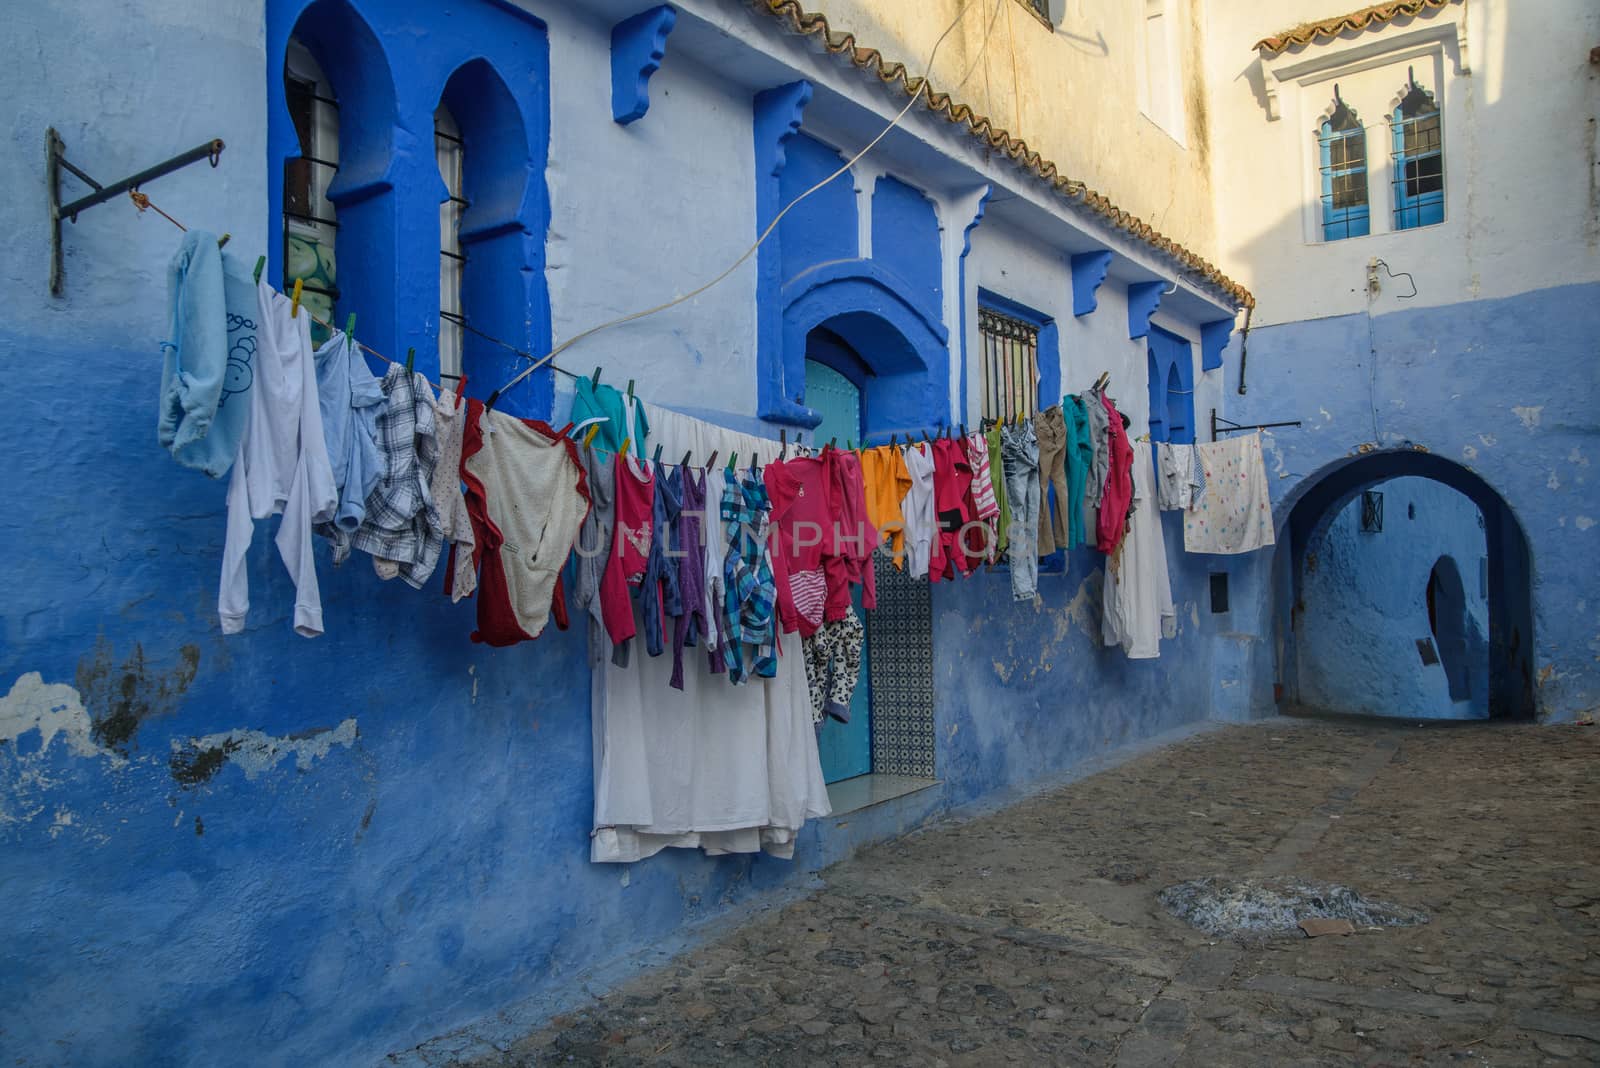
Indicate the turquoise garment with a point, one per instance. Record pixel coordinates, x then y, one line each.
209 355
610 404
1080 458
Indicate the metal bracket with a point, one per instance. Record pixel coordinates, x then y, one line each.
1221 424
55 160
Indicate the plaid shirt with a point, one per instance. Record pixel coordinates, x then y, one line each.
401 530
749 607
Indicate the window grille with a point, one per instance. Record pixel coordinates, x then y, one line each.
310 224
1343 147
1010 365
1371 512
449 152
1418 160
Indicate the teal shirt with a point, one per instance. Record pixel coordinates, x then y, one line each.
1080 458
609 403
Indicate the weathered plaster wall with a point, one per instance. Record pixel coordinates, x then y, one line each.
1363 606
320 852
1070 91
1503 388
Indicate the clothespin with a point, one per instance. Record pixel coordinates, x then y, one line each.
685 461
595 381
833 443
261 261
294 309
630 389
624 450
783 444
713 461
925 436
849 445
411 354
350 327
461 391
658 453
963 430
222 241
733 463
588 439
891 440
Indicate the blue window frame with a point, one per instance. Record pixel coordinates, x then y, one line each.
1418 160
1346 211
1171 364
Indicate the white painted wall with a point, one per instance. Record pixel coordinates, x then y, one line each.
1522 192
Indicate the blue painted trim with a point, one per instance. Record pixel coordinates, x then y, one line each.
1213 342
777 116
1088 271
1171 404
638 45
1143 300
961 285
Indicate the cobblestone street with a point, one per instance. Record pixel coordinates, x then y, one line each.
1033 935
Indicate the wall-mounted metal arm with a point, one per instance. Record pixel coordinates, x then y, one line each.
56 160
1223 425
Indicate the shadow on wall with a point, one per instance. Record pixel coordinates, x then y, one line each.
1406 594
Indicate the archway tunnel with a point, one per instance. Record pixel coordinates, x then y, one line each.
1403 589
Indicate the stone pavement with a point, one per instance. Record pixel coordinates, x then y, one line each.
1032 936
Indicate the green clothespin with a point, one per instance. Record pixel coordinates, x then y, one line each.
261 261
350 327
733 463
630 389
411 358
595 381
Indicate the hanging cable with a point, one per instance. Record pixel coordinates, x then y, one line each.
922 84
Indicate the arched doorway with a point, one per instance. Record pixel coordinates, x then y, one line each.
1402 587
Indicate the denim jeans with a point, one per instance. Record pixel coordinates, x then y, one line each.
1019 453
1051 428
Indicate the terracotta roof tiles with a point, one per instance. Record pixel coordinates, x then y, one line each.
1366 18
890 72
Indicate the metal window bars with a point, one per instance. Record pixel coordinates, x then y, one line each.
1418 170
1010 365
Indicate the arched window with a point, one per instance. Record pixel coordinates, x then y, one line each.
1171 381
310 223
1343 145
1418 160
449 150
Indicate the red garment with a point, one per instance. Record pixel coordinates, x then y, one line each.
802 516
1119 484
952 497
853 540
630 547
498 622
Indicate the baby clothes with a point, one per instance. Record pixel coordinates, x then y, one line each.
886 481
1235 513
833 665
851 539
349 397
917 508
952 481
659 596
630 552
1118 496
1177 485
802 522
751 635
282 466
527 496
688 536
455 522
401 528
983 498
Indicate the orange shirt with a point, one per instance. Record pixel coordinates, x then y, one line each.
883 470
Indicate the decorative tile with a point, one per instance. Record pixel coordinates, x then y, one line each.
900 644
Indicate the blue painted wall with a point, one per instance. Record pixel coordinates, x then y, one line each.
1362 607
1501 390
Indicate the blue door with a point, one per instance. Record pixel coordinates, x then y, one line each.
846 747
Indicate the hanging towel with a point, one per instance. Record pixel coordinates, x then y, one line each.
1138 592
1235 513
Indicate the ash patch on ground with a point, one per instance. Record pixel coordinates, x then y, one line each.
1267 908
